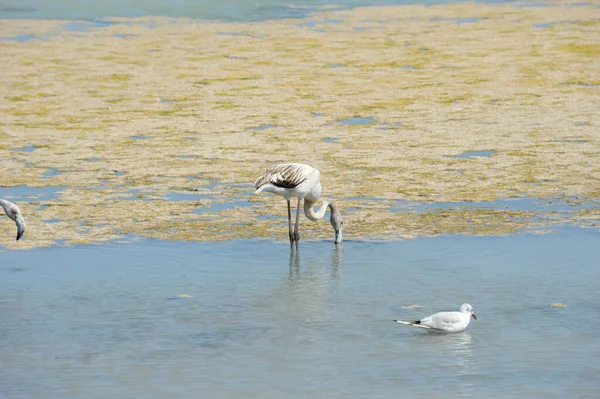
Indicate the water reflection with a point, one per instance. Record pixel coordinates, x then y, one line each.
457 347
335 262
306 292
294 261
305 298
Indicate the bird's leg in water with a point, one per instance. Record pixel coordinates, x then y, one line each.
296 232
291 232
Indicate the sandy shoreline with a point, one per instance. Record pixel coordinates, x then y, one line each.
132 113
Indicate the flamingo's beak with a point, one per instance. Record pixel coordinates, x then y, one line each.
338 236
474 316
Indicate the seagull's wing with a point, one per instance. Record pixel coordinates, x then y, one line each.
286 175
443 320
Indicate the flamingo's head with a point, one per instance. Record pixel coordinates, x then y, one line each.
20 226
337 222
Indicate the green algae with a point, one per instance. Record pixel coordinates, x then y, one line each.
588 49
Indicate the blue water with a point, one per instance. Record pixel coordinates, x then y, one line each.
263 127
223 10
357 121
249 319
51 173
473 154
18 193
29 148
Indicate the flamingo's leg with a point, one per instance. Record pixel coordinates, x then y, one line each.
296 232
291 232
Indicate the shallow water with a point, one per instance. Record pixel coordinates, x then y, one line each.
103 321
223 10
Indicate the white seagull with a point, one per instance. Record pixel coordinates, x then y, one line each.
445 321
297 180
14 213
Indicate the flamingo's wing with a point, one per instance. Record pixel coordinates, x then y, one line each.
286 175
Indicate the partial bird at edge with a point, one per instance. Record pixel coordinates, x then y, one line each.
14 213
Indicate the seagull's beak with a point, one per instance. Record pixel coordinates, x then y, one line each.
20 227
474 316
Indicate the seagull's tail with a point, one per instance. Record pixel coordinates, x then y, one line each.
416 323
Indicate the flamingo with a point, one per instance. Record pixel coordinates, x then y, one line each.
14 213
297 180
445 321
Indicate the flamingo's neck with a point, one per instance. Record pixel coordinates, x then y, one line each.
311 214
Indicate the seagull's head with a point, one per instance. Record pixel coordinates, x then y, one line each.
468 309
337 222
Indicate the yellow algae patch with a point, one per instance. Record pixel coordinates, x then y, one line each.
411 307
161 134
558 306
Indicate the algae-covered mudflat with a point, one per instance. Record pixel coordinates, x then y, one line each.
461 118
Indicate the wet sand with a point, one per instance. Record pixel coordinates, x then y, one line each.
157 127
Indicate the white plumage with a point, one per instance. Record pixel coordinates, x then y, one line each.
14 213
297 180
445 321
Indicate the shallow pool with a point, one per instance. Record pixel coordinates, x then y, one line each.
249 319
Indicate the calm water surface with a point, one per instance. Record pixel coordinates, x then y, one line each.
107 321
223 10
